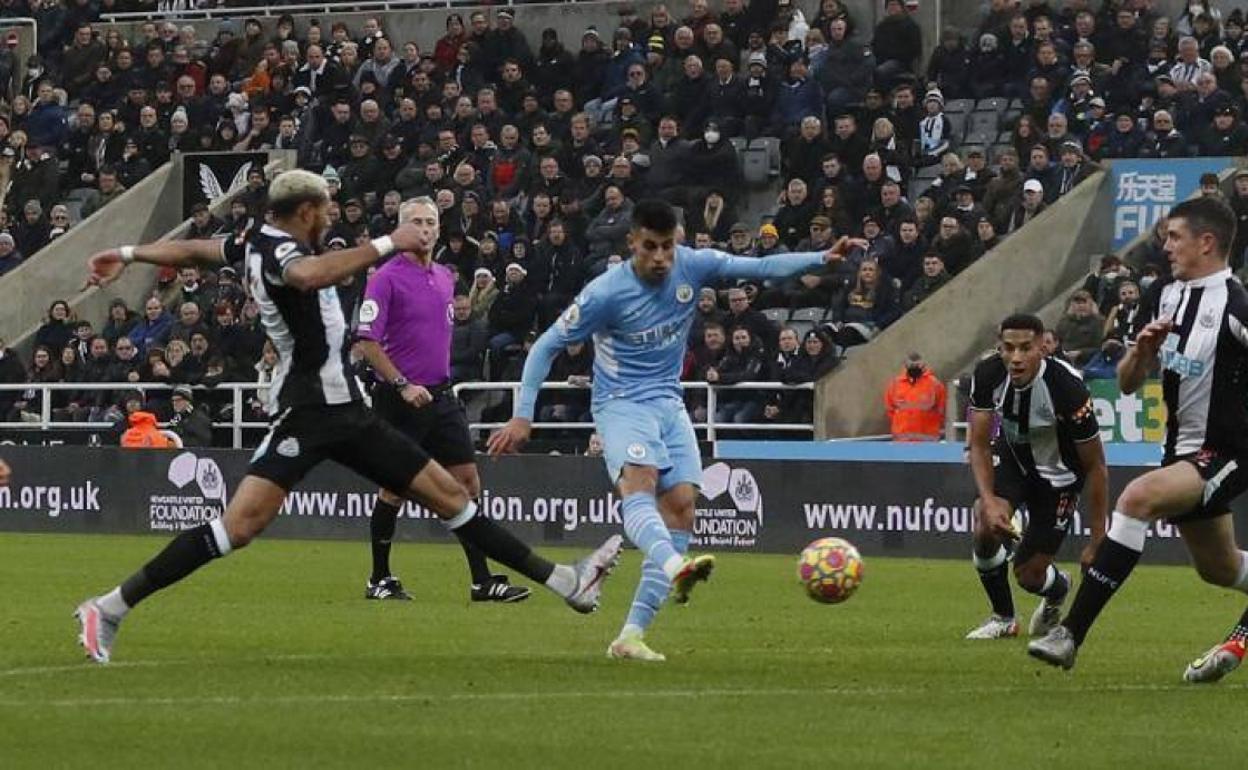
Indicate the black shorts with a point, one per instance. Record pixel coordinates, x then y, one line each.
351 434
1225 476
440 427
1049 510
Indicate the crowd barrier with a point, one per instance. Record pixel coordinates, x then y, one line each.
913 509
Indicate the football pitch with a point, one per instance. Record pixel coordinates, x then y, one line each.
272 658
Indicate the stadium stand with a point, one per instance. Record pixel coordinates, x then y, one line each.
834 126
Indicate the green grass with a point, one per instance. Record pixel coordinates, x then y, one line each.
273 659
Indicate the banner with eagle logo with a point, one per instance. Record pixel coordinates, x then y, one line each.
210 176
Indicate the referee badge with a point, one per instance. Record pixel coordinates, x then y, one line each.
368 311
684 293
288 447
571 315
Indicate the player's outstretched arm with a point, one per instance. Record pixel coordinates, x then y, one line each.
516 432
778 266
107 266
312 273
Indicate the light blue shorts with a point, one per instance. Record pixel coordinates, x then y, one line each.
655 433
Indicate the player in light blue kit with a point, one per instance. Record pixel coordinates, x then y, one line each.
639 315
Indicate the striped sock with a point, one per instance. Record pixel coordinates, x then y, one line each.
652 589
645 528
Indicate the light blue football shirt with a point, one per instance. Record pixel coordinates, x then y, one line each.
639 329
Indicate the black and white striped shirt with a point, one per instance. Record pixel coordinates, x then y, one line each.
1041 422
1204 362
309 329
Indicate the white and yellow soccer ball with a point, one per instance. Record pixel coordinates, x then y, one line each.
830 570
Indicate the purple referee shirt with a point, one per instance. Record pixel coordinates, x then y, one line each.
407 310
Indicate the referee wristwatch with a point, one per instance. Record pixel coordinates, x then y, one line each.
400 382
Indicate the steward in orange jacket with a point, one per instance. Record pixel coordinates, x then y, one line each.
144 433
916 403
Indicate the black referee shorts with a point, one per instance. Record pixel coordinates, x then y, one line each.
1225 476
440 427
1049 510
350 434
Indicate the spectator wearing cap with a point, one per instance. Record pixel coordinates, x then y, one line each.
986 237
191 423
1072 168
935 131
509 42
1096 125
1003 193
591 67
1124 139
555 66
760 95
897 44
511 317
10 256
949 66
1081 329
35 178
964 208
740 243
1165 140
798 96
846 70
1029 206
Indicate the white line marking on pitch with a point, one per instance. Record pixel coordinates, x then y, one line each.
779 692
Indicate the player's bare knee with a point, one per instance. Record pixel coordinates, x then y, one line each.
469 479
242 530
1030 576
1138 500
639 478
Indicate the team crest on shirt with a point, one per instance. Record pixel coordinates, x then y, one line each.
368 311
571 315
684 293
288 447
636 451
1208 321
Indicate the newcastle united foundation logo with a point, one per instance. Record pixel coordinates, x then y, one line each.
200 496
733 514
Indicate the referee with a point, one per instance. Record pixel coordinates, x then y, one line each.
405 335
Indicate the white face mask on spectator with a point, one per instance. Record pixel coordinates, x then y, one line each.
711 137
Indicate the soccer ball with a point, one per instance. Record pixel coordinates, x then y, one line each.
830 570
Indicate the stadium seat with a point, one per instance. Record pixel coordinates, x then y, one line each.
1016 104
801 327
927 172
772 146
992 104
986 122
959 106
980 136
917 188
1009 118
755 167
777 314
738 143
811 314
957 121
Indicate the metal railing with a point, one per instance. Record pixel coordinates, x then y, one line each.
711 425
260 10
237 424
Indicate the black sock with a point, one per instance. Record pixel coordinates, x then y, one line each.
997 585
185 553
504 548
1110 569
476 562
1240 632
381 530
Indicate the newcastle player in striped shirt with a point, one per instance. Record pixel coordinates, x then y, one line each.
318 409
1198 334
405 334
1049 444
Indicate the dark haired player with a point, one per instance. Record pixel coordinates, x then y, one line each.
1049 444
317 408
1198 333
639 314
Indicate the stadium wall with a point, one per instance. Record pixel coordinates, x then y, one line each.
751 506
1024 273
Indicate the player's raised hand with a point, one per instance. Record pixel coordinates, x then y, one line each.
1151 336
843 246
104 267
510 437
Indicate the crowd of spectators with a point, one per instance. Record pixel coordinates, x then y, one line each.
535 149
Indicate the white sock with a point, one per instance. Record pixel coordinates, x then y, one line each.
1128 531
1050 577
631 629
112 603
992 562
672 566
1241 582
562 580
221 537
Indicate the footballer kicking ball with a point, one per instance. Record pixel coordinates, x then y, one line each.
830 570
